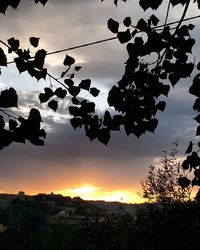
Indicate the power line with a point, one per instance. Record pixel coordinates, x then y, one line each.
175 22
97 42
105 40
71 48
113 38
81 46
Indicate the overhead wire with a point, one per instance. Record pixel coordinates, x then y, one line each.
106 39
113 38
97 42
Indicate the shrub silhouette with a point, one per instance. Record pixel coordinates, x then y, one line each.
161 184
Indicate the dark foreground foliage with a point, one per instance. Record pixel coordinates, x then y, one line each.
155 226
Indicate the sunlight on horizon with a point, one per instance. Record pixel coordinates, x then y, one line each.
89 192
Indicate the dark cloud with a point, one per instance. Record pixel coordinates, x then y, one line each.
69 155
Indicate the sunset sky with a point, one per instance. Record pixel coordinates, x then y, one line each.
69 163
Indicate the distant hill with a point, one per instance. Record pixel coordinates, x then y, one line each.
73 205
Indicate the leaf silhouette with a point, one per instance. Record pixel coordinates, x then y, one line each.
8 98
189 149
34 41
61 93
127 21
113 25
68 61
184 182
94 92
85 84
53 105
104 136
3 58
124 36
14 43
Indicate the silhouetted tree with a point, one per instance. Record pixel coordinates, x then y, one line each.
161 184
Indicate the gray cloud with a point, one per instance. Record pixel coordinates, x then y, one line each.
69 155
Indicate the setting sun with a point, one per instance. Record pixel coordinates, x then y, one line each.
84 190
89 192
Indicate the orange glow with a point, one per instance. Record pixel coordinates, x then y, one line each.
89 192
